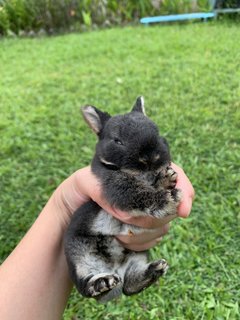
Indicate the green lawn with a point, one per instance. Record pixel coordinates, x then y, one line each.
190 78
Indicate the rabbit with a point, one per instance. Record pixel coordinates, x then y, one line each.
132 163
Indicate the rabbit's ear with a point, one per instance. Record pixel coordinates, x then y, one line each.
95 118
139 105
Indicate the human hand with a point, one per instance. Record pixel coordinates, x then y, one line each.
83 186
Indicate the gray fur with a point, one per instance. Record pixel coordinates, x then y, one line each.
132 162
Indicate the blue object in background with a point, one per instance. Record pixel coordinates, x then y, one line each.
178 17
215 7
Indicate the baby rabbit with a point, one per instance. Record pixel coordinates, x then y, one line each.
132 163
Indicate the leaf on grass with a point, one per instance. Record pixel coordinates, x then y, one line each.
211 303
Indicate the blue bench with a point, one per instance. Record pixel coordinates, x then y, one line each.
178 17
214 5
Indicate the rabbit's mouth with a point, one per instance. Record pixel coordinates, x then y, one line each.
109 165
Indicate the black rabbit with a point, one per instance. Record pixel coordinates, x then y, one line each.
132 162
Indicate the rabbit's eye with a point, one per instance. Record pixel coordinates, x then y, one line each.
117 141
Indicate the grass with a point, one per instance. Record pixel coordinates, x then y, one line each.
189 75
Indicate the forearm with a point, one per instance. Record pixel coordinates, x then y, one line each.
34 282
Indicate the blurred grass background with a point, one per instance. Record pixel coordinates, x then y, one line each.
190 78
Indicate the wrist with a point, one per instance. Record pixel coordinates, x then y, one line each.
68 197
58 208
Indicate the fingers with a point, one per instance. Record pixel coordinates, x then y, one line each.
184 184
145 240
185 207
144 222
141 247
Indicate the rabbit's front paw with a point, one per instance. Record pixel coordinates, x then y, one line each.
172 200
170 178
176 195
